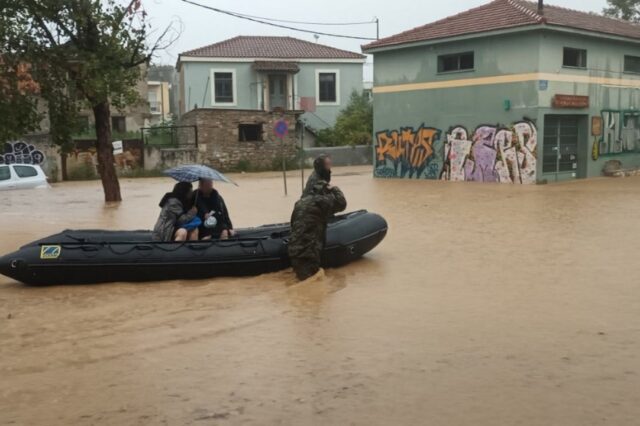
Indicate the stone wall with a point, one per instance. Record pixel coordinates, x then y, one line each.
158 158
219 142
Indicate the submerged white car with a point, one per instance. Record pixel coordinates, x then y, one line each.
22 176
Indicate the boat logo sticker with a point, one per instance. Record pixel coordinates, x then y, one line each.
50 252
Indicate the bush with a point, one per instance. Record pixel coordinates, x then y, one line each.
354 125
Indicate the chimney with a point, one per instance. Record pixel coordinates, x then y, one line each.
540 7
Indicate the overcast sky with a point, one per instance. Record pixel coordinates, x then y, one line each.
201 27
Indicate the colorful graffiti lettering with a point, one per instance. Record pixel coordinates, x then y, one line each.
20 152
409 151
489 154
620 133
492 154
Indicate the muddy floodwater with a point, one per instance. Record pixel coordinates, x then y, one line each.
485 305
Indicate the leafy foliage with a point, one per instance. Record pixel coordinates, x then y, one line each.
81 52
628 10
354 125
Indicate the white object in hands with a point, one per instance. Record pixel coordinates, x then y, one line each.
211 221
22 176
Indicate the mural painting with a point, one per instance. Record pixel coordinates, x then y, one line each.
489 154
20 152
408 153
620 133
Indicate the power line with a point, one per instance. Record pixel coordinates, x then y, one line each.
262 21
306 23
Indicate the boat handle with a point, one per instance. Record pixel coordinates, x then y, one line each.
144 247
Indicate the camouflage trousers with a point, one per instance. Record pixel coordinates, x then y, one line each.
305 267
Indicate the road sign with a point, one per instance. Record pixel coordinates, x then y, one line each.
281 128
117 147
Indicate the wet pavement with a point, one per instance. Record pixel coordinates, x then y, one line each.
485 305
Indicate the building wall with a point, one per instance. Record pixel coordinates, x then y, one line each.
251 87
428 131
488 124
218 138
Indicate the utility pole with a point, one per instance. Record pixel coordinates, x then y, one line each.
377 28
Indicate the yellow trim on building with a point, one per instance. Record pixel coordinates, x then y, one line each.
505 79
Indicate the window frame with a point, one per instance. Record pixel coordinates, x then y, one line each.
25 166
624 64
577 49
234 84
459 55
260 133
327 71
124 120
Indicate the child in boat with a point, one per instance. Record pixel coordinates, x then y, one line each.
178 220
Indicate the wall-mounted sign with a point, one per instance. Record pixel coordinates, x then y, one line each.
570 101
596 125
543 85
117 147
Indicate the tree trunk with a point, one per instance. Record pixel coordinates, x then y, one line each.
104 148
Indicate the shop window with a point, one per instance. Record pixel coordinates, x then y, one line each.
457 62
574 58
250 132
632 64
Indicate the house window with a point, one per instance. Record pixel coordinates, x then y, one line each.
118 124
83 123
223 87
458 62
328 87
574 58
250 132
632 64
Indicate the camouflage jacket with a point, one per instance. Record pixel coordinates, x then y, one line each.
309 219
171 217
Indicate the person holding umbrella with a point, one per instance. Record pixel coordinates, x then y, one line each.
211 209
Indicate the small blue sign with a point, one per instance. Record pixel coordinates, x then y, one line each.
281 128
543 85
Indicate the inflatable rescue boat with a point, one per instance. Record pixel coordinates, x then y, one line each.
98 256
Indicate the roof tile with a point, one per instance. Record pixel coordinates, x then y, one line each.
272 48
504 14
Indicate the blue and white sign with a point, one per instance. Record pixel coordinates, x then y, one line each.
543 85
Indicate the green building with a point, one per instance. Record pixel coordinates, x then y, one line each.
511 91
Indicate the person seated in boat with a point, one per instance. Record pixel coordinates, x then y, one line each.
321 171
178 220
213 212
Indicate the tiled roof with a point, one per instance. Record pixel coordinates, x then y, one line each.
271 47
504 14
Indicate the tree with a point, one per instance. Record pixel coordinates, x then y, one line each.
628 10
87 51
354 125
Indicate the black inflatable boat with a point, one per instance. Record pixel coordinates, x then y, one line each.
96 256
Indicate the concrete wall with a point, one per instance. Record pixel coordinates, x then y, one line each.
341 155
218 138
487 124
158 158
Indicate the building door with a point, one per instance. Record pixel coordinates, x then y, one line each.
278 91
560 152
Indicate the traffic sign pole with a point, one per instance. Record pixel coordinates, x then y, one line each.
281 129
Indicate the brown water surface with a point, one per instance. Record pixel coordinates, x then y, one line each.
485 305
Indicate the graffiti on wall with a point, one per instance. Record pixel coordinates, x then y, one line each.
407 152
20 152
620 133
489 154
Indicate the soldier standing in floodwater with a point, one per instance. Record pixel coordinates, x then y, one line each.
321 171
309 222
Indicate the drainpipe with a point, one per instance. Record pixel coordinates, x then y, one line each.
540 7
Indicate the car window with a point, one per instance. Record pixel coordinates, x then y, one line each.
5 173
25 171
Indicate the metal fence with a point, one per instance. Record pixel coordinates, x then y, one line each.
170 136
